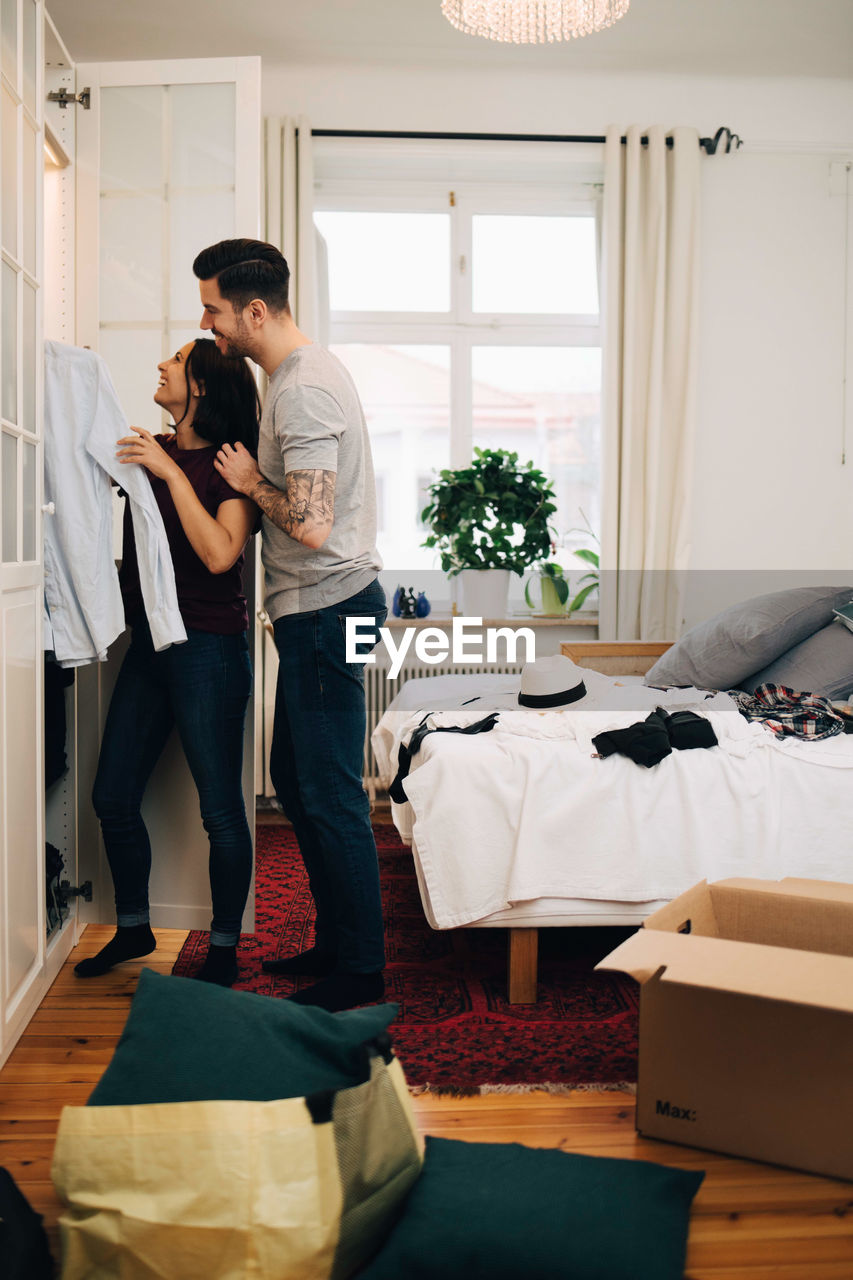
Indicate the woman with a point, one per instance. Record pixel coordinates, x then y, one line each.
201 686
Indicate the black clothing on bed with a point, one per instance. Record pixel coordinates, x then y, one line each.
648 741
687 730
405 753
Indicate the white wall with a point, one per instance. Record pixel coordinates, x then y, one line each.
339 96
770 491
770 488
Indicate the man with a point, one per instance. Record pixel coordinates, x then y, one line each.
313 481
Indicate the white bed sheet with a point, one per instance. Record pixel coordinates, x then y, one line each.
509 824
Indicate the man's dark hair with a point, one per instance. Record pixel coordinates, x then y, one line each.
246 269
229 410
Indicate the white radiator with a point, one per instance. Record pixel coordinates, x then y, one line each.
380 692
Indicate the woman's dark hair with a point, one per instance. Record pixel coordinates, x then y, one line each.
246 269
229 411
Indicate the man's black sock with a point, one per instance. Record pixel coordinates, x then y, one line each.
342 991
220 966
130 942
315 962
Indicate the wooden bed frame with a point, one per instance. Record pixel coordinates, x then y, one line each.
612 658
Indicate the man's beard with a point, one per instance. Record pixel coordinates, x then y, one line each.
239 344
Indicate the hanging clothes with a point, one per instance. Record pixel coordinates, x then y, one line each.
83 611
56 681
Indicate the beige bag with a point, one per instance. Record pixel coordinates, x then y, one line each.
301 1189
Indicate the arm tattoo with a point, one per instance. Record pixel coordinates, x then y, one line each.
304 507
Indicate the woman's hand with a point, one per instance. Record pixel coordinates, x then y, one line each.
143 448
238 468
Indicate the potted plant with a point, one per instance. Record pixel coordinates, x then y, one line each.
553 585
489 520
590 557
591 579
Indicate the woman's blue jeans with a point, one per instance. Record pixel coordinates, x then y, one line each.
203 687
316 765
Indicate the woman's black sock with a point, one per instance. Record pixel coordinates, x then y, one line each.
316 962
130 942
220 966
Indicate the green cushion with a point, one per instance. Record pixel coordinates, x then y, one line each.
190 1041
489 1211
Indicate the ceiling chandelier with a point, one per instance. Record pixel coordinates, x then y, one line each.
532 21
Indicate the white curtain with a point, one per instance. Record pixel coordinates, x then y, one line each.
290 221
289 224
650 266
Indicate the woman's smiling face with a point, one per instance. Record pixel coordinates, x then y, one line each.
171 393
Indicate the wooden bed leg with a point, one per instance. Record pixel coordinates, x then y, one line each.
522 965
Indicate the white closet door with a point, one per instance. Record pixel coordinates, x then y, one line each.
168 161
23 944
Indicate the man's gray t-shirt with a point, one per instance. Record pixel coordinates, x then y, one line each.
313 420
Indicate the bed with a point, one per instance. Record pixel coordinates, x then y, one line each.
522 828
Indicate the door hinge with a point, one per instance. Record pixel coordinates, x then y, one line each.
463 263
64 98
68 890
451 198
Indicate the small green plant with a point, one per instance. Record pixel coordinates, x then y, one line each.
553 585
493 514
592 579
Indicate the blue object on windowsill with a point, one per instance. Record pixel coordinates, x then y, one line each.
405 605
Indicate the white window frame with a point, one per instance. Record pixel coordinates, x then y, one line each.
459 179
460 328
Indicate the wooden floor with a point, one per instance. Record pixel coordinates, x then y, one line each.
750 1221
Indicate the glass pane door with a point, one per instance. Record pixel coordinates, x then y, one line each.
169 162
167 189
22 893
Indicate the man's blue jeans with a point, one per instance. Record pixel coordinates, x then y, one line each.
203 687
316 764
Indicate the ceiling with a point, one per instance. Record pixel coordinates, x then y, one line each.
697 37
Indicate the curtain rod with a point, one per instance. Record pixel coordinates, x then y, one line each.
708 145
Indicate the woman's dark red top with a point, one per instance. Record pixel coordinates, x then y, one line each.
207 601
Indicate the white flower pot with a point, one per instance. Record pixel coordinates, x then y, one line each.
484 592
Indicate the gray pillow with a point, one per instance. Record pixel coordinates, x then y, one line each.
821 664
720 653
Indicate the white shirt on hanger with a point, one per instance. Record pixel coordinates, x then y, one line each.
83 611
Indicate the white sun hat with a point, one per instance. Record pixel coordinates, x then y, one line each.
551 682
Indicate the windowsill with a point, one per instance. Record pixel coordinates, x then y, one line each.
514 619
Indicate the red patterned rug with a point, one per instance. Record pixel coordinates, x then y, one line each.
455 1030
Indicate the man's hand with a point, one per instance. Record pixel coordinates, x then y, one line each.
144 449
304 509
238 468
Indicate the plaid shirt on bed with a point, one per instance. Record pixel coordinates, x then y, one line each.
806 715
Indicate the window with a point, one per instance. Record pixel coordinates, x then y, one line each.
468 315
381 480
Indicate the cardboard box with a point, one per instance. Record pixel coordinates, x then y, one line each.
746 1021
